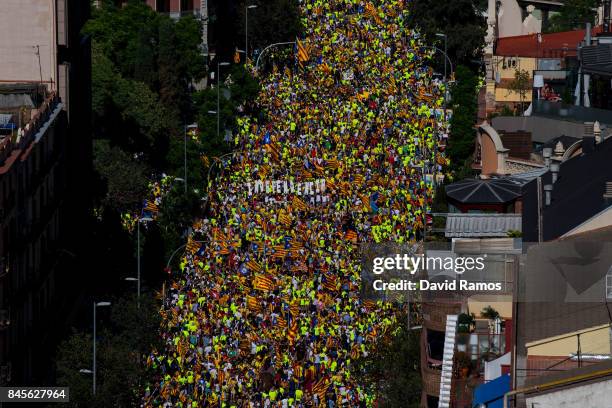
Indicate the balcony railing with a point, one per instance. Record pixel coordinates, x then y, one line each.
26 135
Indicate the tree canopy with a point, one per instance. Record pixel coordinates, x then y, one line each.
573 14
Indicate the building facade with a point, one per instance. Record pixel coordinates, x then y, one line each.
45 154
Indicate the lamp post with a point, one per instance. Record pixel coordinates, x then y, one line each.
246 31
218 112
144 219
93 371
445 50
185 155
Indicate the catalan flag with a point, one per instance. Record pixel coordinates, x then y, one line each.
292 332
294 309
284 219
350 235
302 53
281 322
299 204
253 266
264 283
151 206
192 246
330 283
253 303
372 13
320 388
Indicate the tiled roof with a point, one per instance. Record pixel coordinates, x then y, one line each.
481 225
553 45
489 191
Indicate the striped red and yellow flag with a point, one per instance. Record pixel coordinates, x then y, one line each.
280 251
294 309
253 303
299 204
284 219
151 206
350 235
273 151
264 283
330 283
192 246
320 388
302 51
253 266
281 322
358 178
372 13
332 164
292 332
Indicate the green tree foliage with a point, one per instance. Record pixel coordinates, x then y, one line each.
122 342
574 14
271 22
395 374
143 66
521 84
461 20
464 95
125 179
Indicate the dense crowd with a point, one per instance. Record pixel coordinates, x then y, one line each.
265 310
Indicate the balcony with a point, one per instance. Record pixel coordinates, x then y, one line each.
430 377
22 138
434 314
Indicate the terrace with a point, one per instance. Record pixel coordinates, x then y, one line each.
25 112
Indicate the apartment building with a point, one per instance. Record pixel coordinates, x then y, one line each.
45 154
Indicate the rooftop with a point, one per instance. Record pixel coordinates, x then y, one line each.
485 191
553 45
481 225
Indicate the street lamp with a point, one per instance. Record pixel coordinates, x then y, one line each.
246 31
93 371
143 219
218 112
445 49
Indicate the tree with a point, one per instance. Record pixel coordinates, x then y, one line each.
122 344
125 178
395 374
521 84
574 14
464 95
461 20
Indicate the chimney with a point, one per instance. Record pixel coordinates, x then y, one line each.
559 151
548 188
547 153
554 169
597 132
588 138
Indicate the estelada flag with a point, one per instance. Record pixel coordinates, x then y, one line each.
262 282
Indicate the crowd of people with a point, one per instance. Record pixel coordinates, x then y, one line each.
265 309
